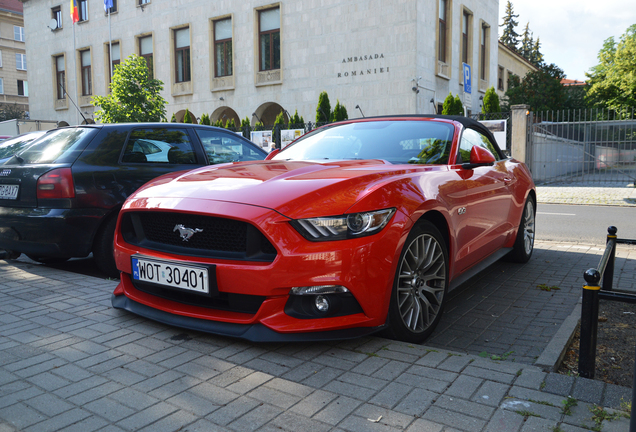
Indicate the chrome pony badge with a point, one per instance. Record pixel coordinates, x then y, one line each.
5 172
186 233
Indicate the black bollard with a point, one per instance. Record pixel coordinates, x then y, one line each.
608 274
589 323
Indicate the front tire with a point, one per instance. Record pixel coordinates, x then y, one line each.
420 284
524 243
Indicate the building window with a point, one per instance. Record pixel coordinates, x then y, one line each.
483 53
467 20
269 39
182 54
500 79
1 86
145 51
60 76
443 20
83 10
0 58
143 2
223 47
23 88
20 61
115 59
56 14
18 33
85 64
112 9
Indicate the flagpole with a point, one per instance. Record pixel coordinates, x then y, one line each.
110 48
75 69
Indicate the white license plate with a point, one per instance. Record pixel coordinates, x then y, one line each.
172 274
9 191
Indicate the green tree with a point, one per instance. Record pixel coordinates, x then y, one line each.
10 111
509 36
187 118
173 119
449 104
452 105
613 81
134 95
246 128
491 102
296 121
458 106
339 112
205 119
536 57
527 43
323 110
230 124
541 89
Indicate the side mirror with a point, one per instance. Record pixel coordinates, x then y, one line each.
479 156
272 154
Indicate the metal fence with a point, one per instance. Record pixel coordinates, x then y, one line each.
597 146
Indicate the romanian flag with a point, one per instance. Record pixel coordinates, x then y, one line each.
74 11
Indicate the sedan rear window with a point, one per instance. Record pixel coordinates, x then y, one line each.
60 146
399 142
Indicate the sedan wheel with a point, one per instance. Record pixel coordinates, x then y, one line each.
420 285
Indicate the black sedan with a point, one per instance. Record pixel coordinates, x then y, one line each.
60 196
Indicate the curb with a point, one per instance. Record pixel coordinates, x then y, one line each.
553 354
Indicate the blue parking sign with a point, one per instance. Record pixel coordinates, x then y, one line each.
467 79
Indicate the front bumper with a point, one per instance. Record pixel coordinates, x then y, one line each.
365 266
252 332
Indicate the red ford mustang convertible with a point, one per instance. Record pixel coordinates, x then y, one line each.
356 227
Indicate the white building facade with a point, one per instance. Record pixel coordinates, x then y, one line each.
252 59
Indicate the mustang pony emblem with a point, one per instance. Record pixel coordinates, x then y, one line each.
186 233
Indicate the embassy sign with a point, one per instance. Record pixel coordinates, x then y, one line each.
361 70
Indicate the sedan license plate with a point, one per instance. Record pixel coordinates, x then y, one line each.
172 274
9 191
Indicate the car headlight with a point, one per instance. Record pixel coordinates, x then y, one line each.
343 227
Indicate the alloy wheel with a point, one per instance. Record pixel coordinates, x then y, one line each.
421 283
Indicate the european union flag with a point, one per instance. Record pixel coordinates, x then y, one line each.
107 5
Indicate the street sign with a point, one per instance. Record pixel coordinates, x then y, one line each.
467 79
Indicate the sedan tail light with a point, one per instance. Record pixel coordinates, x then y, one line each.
57 183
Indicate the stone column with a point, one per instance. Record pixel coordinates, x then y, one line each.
520 115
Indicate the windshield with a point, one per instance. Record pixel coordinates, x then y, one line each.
398 142
59 146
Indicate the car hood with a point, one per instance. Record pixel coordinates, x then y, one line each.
292 188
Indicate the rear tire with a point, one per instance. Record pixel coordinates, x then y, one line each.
524 243
420 284
103 249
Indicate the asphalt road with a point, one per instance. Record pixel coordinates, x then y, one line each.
582 223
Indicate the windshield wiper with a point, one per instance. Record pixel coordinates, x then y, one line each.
19 158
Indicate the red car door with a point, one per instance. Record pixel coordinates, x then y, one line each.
483 219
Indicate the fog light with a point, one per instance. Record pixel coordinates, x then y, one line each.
322 303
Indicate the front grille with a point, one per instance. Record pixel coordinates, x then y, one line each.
205 236
224 301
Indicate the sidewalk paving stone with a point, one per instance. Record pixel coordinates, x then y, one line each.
69 362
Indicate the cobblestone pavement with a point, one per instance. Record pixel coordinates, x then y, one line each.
70 362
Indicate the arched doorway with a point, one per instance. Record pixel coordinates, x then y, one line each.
179 115
225 114
267 113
